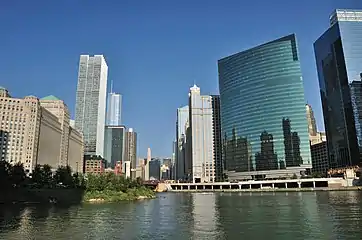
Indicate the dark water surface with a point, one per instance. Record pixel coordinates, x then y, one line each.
265 216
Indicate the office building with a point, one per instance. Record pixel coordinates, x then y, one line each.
180 157
114 145
319 154
34 131
131 150
155 169
263 118
114 109
338 58
58 108
202 141
216 128
75 150
312 126
127 169
147 165
90 109
94 164
314 136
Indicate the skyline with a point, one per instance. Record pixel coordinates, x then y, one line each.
187 51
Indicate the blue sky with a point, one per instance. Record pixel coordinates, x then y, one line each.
155 50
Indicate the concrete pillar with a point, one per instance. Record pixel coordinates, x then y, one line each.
313 184
220 186
299 184
230 187
203 186
212 187
286 185
261 185
239 186
249 186
188 187
272 185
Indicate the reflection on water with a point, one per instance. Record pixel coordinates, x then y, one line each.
205 217
318 215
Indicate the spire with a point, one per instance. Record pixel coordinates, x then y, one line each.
111 86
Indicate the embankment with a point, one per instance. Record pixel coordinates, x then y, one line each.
25 195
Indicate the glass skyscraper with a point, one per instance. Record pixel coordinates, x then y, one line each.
263 118
114 109
90 108
338 54
114 145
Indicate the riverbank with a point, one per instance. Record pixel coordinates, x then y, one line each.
354 188
117 196
44 196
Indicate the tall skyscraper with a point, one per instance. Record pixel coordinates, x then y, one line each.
312 126
216 128
131 150
263 119
180 154
114 145
339 57
90 106
202 141
114 109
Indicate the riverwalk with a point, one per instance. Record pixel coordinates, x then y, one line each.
288 185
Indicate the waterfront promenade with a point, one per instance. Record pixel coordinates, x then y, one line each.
266 185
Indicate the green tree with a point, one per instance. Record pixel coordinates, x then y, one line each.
17 174
42 176
63 175
5 173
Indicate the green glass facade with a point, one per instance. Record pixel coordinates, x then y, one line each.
263 117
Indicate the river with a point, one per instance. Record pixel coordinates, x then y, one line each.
271 216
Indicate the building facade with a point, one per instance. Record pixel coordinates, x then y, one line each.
263 118
155 169
90 109
339 65
75 150
32 132
58 108
202 141
180 156
216 128
131 150
114 145
312 126
319 153
114 109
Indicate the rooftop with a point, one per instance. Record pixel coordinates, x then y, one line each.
50 98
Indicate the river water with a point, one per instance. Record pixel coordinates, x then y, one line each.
270 216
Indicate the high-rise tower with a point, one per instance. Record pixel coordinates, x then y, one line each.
263 119
312 127
90 106
339 65
202 141
114 109
131 150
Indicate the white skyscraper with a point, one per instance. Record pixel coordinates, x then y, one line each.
90 109
114 109
203 164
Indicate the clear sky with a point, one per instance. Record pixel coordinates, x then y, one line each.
155 50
